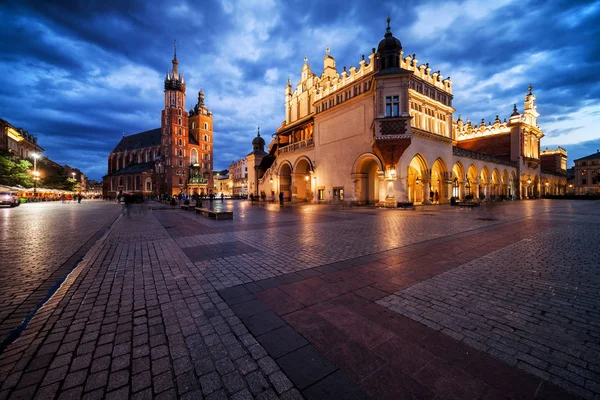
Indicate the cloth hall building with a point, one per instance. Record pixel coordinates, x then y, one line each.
383 133
176 158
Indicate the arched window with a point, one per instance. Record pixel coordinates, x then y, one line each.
194 156
179 121
206 125
179 111
137 183
179 132
180 142
180 153
206 138
128 187
148 186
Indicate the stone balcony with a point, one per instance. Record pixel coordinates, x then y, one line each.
303 144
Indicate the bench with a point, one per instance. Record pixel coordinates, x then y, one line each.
205 212
468 204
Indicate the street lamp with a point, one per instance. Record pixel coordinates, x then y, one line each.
35 174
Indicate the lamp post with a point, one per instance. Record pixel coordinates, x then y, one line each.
35 174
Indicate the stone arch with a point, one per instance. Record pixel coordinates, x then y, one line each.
366 172
299 165
439 178
418 179
472 184
458 180
495 189
285 179
302 179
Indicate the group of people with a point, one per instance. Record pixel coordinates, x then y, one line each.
263 198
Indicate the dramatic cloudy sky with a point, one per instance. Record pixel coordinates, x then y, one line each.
78 74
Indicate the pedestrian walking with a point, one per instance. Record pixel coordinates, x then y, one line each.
436 197
281 199
222 197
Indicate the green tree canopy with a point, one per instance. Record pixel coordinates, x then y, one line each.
15 171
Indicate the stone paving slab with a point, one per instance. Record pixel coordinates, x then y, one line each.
138 320
295 319
534 304
388 355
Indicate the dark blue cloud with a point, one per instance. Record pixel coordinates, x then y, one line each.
78 74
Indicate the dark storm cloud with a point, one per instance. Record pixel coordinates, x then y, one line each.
78 74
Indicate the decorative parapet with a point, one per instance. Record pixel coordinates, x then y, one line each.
326 86
458 151
467 131
423 71
559 150
296 146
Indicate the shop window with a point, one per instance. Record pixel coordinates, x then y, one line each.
338 193
584 181
321 194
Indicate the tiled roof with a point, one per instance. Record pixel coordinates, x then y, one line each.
139 140
134 168
593 156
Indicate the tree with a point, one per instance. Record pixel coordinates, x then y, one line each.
14 171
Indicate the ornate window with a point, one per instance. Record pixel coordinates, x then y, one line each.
148 186
206 125
392 106
194 156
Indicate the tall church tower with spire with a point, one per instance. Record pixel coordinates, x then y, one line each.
174 132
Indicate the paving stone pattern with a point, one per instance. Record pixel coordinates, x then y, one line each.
138 320
289 310
534 304
32 261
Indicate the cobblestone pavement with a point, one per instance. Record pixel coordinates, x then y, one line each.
137 319
283 303
39 244
534 304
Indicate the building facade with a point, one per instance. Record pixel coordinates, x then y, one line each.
171 160
18 141
238 177
383 133
587 174
554 171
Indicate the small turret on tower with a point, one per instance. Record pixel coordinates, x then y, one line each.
329 69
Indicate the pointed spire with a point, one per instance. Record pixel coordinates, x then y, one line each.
258 132
388 30
305 60
327 50
289 83
529 89
175 50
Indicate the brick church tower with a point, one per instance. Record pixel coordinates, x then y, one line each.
174 132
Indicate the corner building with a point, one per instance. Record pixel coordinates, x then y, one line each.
175 158
383 133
